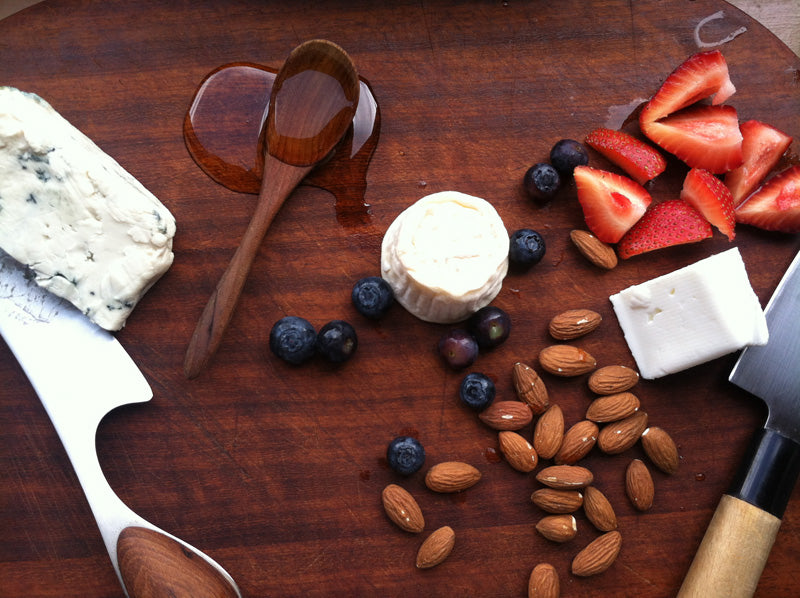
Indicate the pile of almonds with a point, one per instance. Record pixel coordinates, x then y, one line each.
614 422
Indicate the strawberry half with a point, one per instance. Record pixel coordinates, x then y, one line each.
671 222
702 75
706 137
776 205
762 147
611 203
639 160
709 196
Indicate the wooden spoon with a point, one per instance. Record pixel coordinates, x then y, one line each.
313 101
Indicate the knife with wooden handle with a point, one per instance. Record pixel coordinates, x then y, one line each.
81 372
738 540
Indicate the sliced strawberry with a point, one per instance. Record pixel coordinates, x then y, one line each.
709 196
706 137
639 160
702 75
762 147
776 205
671 222
611 203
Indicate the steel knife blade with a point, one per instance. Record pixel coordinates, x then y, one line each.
741 533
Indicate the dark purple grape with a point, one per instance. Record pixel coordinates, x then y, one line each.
337 341
541 182
490 326
566 155
458 349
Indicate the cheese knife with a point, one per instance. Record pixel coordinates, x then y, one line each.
81 372
738 540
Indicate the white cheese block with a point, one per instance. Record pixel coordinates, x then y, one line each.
445 256
88 230
691 316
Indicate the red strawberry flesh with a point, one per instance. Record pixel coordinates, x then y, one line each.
709 196
671 222
762 148
638 159
706 137
700 76
611 203
776 205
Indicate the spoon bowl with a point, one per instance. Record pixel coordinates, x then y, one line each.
312 104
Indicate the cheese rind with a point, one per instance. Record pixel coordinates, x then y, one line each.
445 256
89 231
691 316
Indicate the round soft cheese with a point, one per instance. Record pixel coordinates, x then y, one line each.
445 256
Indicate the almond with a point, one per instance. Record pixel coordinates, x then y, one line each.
574 323
661 449
557 528
612 379
577 443
548 433
557 501
598 556
543 582
506 415
566 360
519 453
436 547
593 249
611 408
619 436
639 485
530 388
402 509
598 510
451 476
565 477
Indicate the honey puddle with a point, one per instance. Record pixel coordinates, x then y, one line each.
223 133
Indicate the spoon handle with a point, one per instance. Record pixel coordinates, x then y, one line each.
280 180
152 565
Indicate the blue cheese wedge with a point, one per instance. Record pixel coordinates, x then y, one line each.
87 229
691 316
445 256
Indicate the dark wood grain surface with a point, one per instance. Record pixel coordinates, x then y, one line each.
276 471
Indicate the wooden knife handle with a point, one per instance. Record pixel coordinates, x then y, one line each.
733 552
739 538
153 565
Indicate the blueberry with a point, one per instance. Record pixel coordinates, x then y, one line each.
372 297
526 248
458 348
490 326
541 181
405 455
477 391
293 339
566 155
337 341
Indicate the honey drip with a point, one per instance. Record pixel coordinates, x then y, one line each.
223 130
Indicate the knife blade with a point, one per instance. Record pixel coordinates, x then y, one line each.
81 372
741 533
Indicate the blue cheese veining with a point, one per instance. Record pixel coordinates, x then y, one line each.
90 232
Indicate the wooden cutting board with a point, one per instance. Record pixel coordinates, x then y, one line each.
276 471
